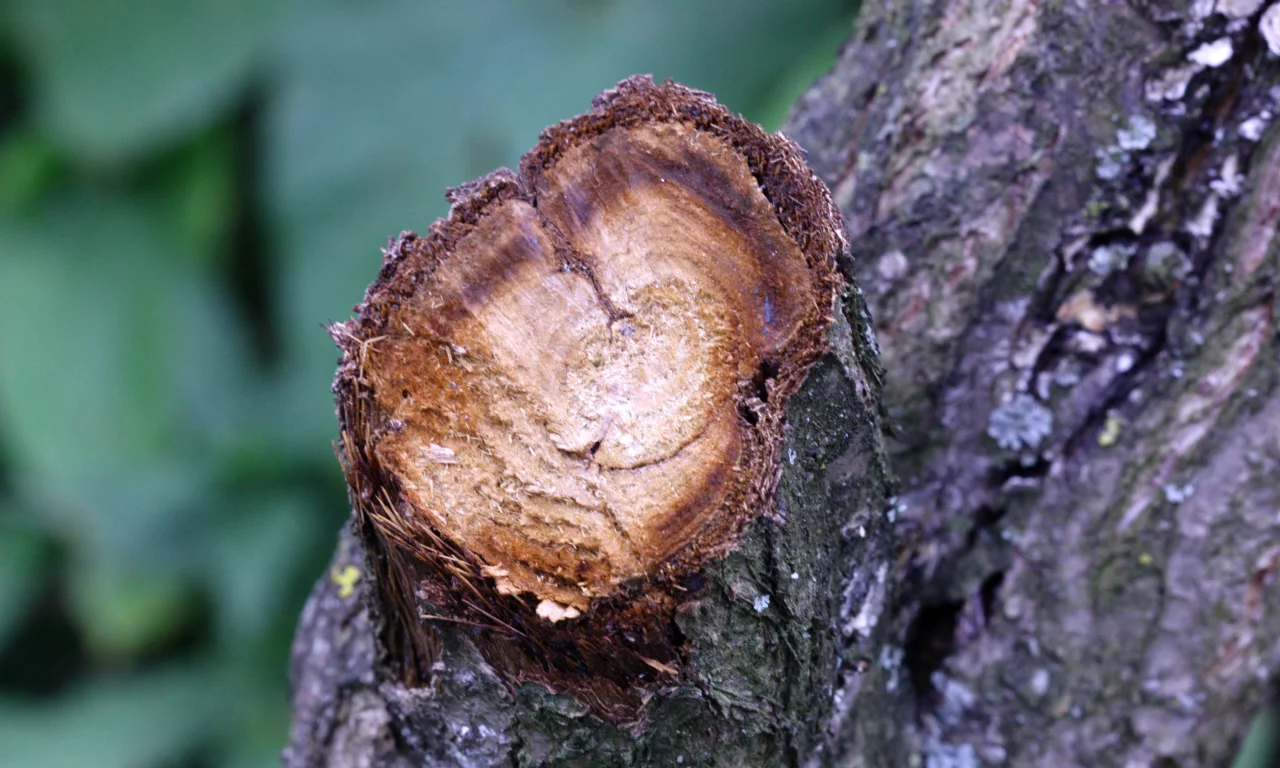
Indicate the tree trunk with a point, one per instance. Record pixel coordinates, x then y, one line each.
1063 219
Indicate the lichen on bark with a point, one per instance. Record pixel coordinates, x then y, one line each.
1057 213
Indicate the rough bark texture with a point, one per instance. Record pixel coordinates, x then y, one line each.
1063 217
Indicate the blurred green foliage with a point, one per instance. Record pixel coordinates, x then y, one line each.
189 191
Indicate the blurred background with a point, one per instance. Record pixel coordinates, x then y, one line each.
189 191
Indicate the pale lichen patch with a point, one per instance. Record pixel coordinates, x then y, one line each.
1108 258
1172 84
1252 128
1165 263
1203 223
1022 422
1137 135
1176 494
1213 54
1239 9
868 610
1109 165
1269 26
1229 179
892 266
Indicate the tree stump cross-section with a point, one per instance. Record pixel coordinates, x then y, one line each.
563 419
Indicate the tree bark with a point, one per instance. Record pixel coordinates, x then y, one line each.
1063 220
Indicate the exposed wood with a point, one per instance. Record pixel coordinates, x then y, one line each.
564 425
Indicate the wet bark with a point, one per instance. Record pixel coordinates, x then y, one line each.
1063 219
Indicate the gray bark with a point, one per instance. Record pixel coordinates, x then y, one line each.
1063 219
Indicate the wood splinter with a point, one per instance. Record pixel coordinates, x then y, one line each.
569 396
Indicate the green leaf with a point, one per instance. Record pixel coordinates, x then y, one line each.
23 556
384 104
140 722
123 613
28 167
195 188
212 380
253 758
82 330
1262 740
252 676
256 553
115 79
802 72
119 371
